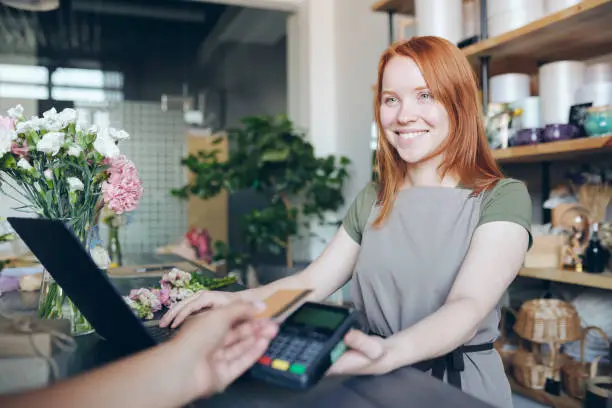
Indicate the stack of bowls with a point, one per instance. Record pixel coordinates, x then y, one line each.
508 15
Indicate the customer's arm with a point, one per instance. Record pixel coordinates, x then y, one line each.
205 356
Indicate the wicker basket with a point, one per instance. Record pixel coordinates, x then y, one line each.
548 321
503 346
575 374
531 368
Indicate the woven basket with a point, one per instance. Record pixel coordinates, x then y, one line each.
503 346
531 368
575 374
548 321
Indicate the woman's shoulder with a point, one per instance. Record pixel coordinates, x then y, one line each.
358 212
507 189
509 200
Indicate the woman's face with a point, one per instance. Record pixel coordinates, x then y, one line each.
414 123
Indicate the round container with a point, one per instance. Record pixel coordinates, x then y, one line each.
557 132
552 6
598 121
526 137
508 88
548 321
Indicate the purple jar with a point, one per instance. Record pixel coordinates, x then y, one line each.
556 132
525 137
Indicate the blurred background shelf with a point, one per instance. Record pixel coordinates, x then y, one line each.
601 280
579 32
562 401
396 6
562 150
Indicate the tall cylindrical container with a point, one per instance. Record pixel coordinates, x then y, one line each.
440 18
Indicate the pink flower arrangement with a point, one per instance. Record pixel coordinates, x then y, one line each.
123 189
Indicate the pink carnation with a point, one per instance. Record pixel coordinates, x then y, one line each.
20 150
7 123
123 189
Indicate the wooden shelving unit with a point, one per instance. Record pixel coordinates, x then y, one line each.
555 37
593 280
579 32
553 151
562 401
394 6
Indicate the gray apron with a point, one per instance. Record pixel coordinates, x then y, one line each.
405 270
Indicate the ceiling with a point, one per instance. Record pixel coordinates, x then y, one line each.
108 30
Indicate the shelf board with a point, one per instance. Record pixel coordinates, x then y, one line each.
562 401
562 150
601 281
578 32
396 6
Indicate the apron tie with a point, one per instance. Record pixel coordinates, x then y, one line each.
452 363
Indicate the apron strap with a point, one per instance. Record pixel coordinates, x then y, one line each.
451 363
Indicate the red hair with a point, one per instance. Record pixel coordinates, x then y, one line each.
452 82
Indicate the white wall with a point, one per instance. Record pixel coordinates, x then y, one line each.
333 52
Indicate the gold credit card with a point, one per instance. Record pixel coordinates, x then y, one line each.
281 303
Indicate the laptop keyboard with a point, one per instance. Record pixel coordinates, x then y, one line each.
161 334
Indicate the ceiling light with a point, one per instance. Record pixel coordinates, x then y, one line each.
33 5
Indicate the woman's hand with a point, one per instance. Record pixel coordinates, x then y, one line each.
365 355
204 299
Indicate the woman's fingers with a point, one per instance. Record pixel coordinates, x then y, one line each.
369 346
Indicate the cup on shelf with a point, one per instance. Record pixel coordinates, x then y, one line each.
598 121
559 131
529 136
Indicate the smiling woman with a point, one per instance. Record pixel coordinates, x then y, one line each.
433 243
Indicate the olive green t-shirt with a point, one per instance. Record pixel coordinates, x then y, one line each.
509 201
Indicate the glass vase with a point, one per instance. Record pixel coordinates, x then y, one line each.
114 246
52 301
54 304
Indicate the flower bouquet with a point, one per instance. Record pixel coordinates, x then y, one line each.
175 286
56 168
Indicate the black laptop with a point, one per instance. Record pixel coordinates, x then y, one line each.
67 261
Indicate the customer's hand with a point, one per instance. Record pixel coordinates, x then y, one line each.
220 345
365 355
204 299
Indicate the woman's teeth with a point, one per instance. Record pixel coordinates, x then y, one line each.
411 135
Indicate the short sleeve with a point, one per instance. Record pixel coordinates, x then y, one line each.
509 201
358 213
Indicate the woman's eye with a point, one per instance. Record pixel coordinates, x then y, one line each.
389 100
425 97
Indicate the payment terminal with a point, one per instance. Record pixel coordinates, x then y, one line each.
307 344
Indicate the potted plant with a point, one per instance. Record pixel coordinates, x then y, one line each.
268 155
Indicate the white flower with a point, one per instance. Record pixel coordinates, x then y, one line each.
50 114
74 184
52 124
16 112
105 145
100 257
48 174
75 150
51 143
33 124
6 140
68 116
93 129
24 164
118 134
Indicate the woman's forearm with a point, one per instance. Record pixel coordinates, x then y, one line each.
151 379
438 334
297 281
